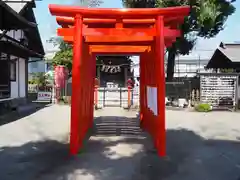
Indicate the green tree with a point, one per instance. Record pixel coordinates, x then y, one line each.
206 20
64 56
39 79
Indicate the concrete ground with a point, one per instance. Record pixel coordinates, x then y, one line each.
200 146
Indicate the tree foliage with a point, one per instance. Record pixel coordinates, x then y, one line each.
64 56
39 79
206 19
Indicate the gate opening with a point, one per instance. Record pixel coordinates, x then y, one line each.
96 31
113 73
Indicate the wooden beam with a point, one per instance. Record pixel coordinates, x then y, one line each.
112 39
118 39
109 31
118 49
123 13
168 43
70 21
168 33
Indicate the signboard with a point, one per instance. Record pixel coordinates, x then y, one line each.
111 69
112 85
44 96
219 89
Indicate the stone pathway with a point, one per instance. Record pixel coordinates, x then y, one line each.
200 146
112 152
35 147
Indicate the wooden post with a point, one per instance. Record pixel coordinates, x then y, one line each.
93 70
96 86
160 83
142 88
76 88
129 96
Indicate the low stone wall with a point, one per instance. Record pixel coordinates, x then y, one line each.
32 96
11 104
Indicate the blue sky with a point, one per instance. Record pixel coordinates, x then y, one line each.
204 47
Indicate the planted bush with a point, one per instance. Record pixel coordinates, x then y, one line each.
203 108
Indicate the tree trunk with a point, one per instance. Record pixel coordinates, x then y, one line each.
171 63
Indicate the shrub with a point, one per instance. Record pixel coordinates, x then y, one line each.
203 108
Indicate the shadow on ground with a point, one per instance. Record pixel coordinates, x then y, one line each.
189 157
117 126
21 112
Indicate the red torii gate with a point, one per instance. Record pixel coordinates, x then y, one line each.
96 31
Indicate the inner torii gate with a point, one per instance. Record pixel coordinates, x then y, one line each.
96 31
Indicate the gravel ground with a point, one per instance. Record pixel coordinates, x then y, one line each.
200 146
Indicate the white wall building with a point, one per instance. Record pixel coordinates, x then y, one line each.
19 41
183 67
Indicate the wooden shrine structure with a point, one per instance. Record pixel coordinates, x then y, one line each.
97 31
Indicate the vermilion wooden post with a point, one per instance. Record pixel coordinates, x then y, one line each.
86 79
160 82
141 100
146 81
149 77
83 84
144 74
96 95
93 74
92 65
89 88
89 77
154 76
76 89
89 68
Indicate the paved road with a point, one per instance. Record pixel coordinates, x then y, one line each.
200 147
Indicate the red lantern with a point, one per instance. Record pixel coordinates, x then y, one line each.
129 83
96 82
60 76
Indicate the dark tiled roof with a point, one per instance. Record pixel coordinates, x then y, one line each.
225 56
33 35
10 19
18 50
231 51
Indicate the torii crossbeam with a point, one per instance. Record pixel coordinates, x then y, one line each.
95 31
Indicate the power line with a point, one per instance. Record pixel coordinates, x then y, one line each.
204 49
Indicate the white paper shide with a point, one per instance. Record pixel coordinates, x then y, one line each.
152 99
